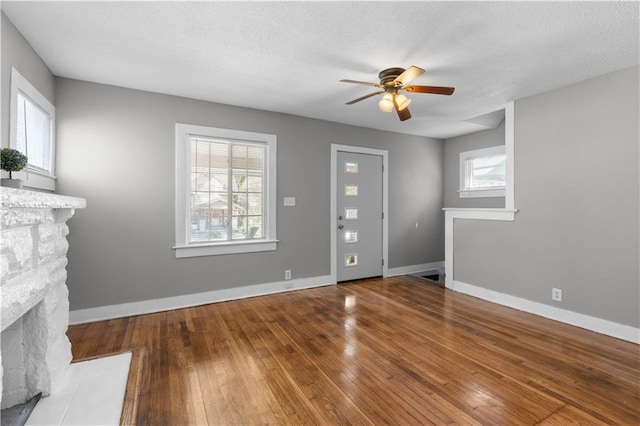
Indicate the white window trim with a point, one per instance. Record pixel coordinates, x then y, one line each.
182 247
465 192
32 178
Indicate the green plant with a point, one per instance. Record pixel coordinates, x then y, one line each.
12 160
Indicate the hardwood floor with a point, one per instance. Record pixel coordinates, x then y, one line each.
379 351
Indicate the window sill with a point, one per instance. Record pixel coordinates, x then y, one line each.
214 249
36 179
481 193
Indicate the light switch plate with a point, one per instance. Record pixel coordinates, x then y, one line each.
289 201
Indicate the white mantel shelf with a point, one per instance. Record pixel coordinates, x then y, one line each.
34 298
20 198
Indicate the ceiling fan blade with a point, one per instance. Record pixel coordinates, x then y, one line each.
403 114
362 98
408 75
436 90
366 83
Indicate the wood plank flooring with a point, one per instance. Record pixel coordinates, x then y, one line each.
380 351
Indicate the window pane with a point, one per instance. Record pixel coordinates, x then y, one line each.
239 181
239 155
255 204
239 227
218 180
255 182
220 212
239 204
255 227
255 157
33 136
487 172
208 225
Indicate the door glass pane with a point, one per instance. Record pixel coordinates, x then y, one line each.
350 236
351 190
351 213
351 259
350 167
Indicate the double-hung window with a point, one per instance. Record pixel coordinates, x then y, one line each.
482 172
225 191
32 132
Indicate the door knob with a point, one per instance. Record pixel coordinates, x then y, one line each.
339 217
340 226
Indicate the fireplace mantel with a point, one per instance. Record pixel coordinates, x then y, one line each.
33 291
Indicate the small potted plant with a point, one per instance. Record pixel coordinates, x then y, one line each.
12 161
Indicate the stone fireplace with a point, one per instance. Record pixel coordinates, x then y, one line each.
35 351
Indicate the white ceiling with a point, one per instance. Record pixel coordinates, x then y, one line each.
288 56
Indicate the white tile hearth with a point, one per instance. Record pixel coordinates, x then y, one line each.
90 393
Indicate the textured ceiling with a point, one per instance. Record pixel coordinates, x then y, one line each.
288 56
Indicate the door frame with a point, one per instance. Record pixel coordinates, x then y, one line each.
335 148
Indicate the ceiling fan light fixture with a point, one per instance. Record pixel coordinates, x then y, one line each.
386 103
402 101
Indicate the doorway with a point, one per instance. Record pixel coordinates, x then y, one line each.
359 230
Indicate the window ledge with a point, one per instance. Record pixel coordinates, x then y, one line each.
480 213
477 209
481 193
36 179
213 249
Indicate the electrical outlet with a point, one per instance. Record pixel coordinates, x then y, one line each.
287 274
556 294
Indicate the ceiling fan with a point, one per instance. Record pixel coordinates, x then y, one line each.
392 80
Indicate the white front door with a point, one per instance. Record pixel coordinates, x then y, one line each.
359 216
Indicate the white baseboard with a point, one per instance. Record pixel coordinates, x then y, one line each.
602 326
101 313
412 269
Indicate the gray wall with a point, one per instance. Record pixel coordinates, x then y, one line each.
17 52
452 149
577 190
116 149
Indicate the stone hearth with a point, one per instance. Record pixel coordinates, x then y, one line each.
35 351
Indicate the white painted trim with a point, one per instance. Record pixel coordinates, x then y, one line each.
228 247
412 269
100 313
335 148
598 325
459 213
509 149
482 193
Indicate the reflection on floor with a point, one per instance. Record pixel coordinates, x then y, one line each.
91 393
